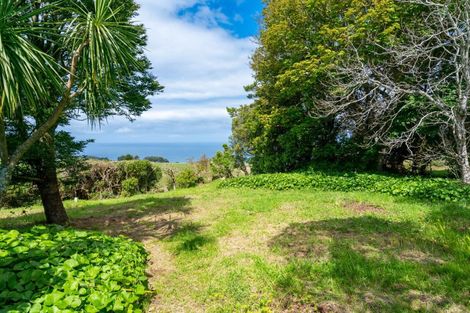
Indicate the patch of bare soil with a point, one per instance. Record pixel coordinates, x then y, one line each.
420 301
148 229
325 307
142 229
455 308
254 241
420 257
361 207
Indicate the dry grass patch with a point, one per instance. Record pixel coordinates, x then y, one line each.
362 207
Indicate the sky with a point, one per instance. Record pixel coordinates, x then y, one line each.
200 51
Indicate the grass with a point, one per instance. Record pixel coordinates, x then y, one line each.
243 250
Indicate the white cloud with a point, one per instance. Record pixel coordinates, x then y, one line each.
191 59
207 17
124 130
203 68
193 111
185 114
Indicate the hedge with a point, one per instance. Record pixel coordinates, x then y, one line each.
433 189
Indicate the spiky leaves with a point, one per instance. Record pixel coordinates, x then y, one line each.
23 67
99 46
111 44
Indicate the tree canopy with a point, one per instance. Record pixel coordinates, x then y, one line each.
357 84
93 65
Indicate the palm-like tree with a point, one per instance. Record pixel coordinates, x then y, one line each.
23 67
100 44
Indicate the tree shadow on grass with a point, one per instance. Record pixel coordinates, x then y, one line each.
371 264
150 218
140 219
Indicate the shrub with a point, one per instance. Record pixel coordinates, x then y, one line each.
435 189
105 179
130 187
187 178
19 195
223 163
101 180
147 173
202 167
54 269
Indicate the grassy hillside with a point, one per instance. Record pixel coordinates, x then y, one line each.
244 250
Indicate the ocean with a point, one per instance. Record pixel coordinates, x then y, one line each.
174 152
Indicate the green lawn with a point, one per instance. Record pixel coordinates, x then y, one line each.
242 250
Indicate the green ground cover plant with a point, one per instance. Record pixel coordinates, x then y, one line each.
433 189
55 269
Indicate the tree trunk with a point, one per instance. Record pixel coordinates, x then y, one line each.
51 197
461 137
464 163
6 173
49 187
3 142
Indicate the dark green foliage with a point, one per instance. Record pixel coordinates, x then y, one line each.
433 189
303 45
106 179
128 157
145 172
18 195
95 158
157 159
187 178
52 269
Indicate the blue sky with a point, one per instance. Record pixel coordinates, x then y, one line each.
200 50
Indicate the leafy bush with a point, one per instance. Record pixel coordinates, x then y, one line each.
19 195
54 269
223 163
147 173
101 180
436 189
187 178
105 179
130 187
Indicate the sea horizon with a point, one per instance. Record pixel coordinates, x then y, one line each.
174 152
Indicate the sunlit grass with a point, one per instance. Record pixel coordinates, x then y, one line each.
227 250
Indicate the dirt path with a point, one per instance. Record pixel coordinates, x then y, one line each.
148 230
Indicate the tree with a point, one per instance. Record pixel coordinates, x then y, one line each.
223 163
128 157
157 159
300 44
98 51
23 69
426 69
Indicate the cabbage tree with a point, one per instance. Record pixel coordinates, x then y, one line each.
98 45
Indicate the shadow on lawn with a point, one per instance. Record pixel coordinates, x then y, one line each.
150 218
368 263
